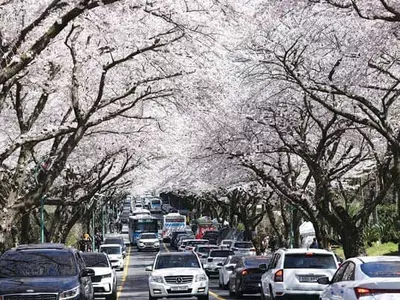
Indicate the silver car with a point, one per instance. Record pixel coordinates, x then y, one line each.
203 251
243 248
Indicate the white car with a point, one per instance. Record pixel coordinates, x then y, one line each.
104 280
215 260
294 273
226 243
177 274
148 241
115 255
244 248
372 277
226 270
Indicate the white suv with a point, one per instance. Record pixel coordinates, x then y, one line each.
177 274
293 273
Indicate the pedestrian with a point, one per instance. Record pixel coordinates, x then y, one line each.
314 244
98 239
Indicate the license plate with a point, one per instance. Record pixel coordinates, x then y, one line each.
179 288
308 278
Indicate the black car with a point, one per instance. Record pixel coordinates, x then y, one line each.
44 271
174 236
246 277
212 237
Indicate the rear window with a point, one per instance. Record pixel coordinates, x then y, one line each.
382 269
244 245
309 261
95 260
211 233
113 241
194 243
255 262
221 253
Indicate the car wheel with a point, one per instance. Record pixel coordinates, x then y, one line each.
113 296
205 297
139 250
239 294
151 297
226 286
262 295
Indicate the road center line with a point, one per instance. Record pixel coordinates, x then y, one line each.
125 275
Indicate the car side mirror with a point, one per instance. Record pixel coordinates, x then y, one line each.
230 268
263 267
323 280
220 264
149 268
210 259
87 272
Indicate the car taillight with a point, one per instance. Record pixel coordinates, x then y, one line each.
278 277
253 249
244 272
362 292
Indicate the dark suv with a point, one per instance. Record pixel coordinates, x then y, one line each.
44 271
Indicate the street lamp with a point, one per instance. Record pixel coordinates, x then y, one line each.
42 200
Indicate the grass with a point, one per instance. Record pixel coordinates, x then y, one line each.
376 249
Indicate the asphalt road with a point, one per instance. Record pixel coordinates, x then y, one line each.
132 282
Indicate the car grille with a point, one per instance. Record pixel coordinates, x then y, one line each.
149 244
179 279
188 291
96 278
31 297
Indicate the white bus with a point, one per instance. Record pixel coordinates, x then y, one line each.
173 222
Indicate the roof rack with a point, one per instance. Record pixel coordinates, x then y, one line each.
58 246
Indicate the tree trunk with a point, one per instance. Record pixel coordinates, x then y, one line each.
353 241
25 232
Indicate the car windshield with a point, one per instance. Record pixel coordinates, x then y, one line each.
226 242
309 261
177 261
148 236
217 253
244 245
37 264
205 250
95 260
382 269
111 250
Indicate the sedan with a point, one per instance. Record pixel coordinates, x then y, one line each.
372 277
243 248
246 277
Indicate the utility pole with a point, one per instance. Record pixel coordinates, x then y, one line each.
42 219
93 213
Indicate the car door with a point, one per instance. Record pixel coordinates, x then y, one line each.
335 289
85 281
267 279
347 283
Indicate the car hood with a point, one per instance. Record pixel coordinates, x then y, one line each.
149 241
115 256
40 284
101 271
175 271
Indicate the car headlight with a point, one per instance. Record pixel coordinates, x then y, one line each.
156 244
201 277
158 279
106 275
70 294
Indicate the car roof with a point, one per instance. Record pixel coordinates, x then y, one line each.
93 254
110 245
44 246
175 253
305 250
368 259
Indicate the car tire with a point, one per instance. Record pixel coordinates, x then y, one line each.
239 294
139 250
226 286
231 294
151 297
113 296
204 297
